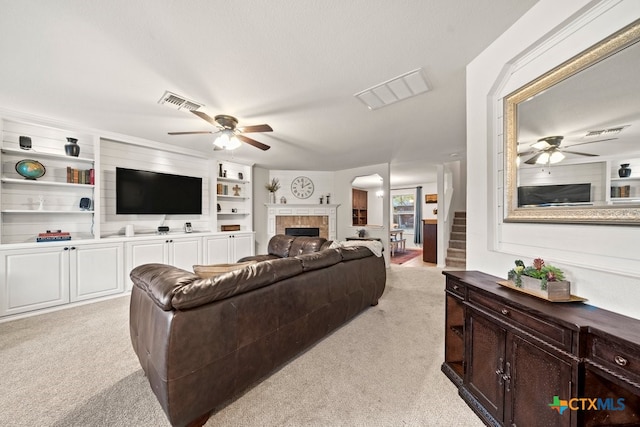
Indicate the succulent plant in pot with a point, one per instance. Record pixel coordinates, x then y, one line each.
540 278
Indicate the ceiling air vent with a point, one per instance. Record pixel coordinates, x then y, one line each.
605 132
178 101
398 88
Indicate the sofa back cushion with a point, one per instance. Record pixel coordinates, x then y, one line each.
285 246
279 245
306 245
203 291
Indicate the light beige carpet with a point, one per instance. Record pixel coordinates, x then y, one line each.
75 367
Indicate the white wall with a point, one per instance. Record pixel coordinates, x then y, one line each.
602 262
342 181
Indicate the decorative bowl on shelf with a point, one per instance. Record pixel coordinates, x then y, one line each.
30 169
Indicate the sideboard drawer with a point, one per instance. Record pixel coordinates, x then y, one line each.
556 334
456 287
613 355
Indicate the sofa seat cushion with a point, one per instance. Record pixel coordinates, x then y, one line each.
212 270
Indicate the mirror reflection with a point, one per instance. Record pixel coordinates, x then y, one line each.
366 200
573 138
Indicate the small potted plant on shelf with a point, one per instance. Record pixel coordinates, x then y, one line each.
540 279
272 187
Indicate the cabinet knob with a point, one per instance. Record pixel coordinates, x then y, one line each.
504 311
66 248
620 360
456 287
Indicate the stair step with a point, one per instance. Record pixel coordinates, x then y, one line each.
455 262
460 221
458 228
457 253
458 244
458 236
460 214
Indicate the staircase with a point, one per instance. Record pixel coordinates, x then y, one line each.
457 251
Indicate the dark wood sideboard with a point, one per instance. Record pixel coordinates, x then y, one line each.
510 354
430 240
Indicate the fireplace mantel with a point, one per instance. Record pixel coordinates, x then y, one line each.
297 209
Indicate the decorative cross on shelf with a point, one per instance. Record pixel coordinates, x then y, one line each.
236 190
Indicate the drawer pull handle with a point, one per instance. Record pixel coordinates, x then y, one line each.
620 360
504 311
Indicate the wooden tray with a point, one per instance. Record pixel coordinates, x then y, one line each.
508 284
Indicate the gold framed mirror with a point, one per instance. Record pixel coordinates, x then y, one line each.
589 102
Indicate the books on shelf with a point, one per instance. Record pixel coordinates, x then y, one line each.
80 176
621 191
53 236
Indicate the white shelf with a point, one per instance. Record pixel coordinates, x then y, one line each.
631 178
226 196
44 211
232 180
31 153
233 213
49 183
625 200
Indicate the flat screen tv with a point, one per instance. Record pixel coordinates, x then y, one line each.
145 192
554 194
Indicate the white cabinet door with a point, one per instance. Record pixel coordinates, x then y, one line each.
185 252
98 270
144 252
34 279
228 248
180 252
217 249
242 246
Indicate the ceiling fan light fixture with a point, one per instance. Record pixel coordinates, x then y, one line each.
556 157
227 140
543 159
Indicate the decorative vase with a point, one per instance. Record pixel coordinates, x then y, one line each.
272 197
72 148
624 171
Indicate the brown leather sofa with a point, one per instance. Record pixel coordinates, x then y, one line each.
201 342
282 246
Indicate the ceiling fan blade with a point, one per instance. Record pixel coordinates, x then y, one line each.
253 142
580 154
532 161
256 128
205 117
190 133
526 153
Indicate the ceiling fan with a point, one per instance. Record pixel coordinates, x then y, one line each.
548 150
230 134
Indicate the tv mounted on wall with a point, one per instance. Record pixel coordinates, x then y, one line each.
146 192
540 195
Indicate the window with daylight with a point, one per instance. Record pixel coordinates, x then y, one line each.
403 211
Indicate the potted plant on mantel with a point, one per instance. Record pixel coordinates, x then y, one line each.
540 279
273 186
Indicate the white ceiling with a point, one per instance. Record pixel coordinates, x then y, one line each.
292 64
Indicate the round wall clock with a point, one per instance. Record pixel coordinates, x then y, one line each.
302 187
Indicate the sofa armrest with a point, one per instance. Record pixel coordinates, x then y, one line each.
161 282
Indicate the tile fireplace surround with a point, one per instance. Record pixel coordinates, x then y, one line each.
281 216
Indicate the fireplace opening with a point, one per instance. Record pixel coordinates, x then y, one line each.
302 231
